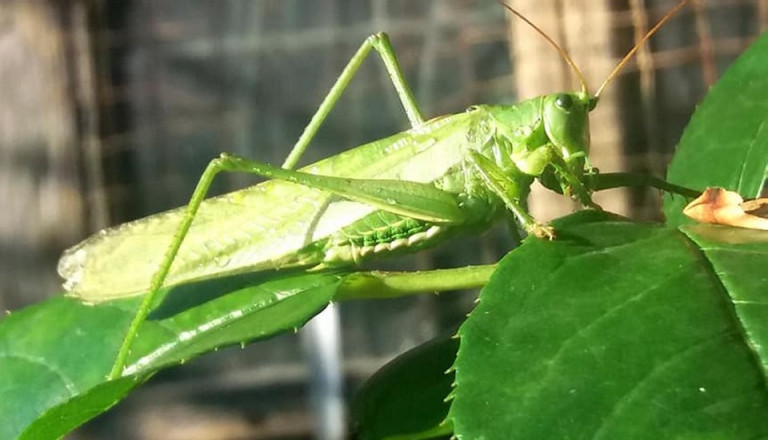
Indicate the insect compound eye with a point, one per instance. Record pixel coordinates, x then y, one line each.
564 101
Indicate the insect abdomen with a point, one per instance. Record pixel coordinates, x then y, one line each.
380 233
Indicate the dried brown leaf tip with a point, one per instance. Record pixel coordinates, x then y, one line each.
722 207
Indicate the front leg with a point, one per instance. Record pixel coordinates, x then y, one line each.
509 189
572 183
535 162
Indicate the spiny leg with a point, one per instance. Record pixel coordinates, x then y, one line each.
422 201
381 43
574 184
509 191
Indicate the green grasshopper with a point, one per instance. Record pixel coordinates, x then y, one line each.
410 191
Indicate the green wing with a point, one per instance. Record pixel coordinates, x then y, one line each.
251 229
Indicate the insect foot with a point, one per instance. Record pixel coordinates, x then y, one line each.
543 231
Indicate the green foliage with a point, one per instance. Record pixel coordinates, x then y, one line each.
614 330
409 394
726 142
55 356
626 330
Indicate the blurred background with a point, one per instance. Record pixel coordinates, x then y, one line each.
109 111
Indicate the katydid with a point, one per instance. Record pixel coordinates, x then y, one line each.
451 174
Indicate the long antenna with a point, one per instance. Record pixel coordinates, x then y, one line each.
557 47
638 45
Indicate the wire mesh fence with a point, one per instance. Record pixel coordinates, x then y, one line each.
120 105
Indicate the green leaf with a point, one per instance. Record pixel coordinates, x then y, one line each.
408 395
79 408
51 353
55 356
619 331
726 142
738 258
255 306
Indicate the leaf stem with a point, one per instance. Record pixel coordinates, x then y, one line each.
602 181
378 284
